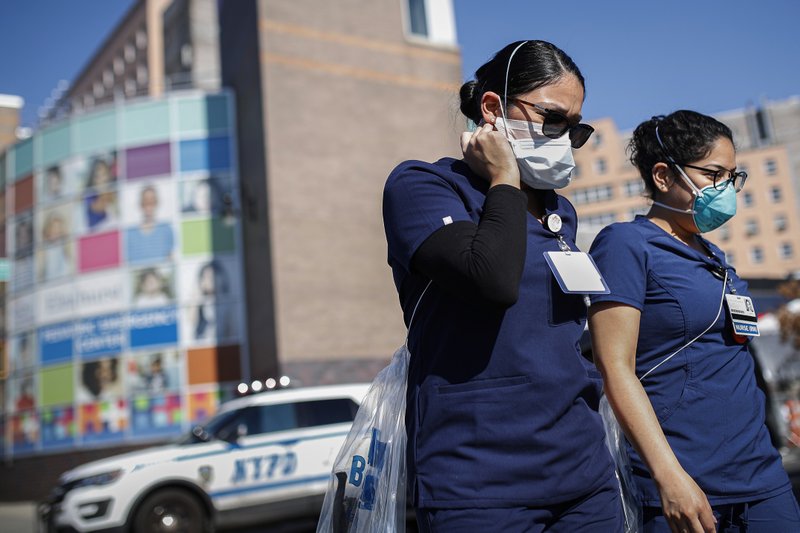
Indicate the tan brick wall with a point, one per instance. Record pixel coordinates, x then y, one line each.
346 99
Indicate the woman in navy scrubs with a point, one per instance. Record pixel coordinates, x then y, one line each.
502 434
677 374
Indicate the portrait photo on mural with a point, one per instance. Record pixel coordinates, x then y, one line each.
100 380
23 392
153 286
147 217
57 183
209 300
22 355
55 256
100 205
153 373
208 196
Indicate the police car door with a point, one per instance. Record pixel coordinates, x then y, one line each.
284 453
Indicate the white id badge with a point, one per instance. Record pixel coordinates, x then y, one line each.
743 315
576 273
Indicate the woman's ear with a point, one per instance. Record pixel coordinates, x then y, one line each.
490 107
662 177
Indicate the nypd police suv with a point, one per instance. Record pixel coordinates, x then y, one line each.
262 458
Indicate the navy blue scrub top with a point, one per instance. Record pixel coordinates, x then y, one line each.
498 399
705 397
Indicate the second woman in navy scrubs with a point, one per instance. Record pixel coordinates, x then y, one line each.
677 375
502 434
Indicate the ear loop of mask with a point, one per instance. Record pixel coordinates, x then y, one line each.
673 354
689 182
505 91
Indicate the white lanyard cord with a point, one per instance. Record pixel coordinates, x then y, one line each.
414 312
673 354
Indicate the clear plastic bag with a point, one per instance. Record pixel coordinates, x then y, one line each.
615 441
367 489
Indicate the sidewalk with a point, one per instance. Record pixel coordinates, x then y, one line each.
19 517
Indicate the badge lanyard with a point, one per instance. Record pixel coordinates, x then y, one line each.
575 271
711 325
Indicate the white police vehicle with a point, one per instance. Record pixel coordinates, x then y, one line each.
263 458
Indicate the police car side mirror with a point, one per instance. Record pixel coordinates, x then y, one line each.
200 433
234 434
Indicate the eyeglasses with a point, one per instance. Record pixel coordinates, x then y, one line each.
556 124
719 176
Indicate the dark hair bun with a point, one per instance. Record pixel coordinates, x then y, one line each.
469 101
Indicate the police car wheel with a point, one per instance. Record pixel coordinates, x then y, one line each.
170 511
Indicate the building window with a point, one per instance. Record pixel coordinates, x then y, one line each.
592 195
417 18
130 53
756 255
751 227
600 165
780 223
633 187
108 78
724 233
598 221
576 172
186 55
141 75
98 89
730 258
119 66
597 138
747 198
775 194
770 167
141 39
130 87
786 251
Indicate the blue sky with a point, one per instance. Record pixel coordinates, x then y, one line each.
640 57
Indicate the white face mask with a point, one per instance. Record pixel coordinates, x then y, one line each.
544 163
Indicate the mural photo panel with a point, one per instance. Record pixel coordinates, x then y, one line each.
23 352
100 380
154 373
58 182
209 196
55 254
153 287
149 233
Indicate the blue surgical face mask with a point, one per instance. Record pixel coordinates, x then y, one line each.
711 207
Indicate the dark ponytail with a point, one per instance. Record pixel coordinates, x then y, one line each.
688 136
535 64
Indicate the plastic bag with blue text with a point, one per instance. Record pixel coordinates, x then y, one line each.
367 489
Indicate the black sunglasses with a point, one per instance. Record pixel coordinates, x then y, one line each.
556 124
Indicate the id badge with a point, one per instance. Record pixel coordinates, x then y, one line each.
576 273
743 315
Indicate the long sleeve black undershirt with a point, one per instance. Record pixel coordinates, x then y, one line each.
483 261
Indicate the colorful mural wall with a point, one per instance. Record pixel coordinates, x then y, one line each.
124 307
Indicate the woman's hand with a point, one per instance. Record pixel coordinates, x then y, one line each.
488 154
684 504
